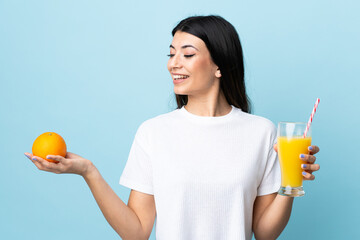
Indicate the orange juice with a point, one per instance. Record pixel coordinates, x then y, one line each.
290 149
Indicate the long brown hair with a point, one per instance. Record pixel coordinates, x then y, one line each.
225 49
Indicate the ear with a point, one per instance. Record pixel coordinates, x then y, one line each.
218 73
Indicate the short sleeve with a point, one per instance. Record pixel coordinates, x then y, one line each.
137 173
271 179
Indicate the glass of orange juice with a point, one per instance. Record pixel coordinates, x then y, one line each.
292 143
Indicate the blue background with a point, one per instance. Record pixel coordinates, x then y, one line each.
93 71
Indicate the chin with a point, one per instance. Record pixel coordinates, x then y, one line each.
180 91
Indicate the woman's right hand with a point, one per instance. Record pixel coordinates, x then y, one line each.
71 163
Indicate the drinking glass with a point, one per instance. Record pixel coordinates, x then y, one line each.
292 143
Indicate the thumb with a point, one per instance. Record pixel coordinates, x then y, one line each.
276 147
71 155
55 157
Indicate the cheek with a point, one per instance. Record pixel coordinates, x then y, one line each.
202 70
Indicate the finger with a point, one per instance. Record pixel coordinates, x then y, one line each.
57 158
276 147
28 155
308 158
44 165
307 176
310 167
313 149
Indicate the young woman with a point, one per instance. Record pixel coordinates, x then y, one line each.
207 170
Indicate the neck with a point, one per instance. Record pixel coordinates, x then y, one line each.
214 105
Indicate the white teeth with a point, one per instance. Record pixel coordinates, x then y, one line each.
180 76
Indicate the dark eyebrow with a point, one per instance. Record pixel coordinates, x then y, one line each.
185 46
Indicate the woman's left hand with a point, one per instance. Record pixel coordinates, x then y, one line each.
309 159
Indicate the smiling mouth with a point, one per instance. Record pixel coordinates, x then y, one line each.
178 77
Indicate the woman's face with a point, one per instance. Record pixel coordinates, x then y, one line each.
191 66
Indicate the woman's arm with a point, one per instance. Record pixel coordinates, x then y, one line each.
270 216
272 212
132 221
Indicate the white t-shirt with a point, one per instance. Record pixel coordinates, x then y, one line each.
204 172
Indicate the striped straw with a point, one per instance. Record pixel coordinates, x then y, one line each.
311 116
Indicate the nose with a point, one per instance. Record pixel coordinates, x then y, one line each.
175 62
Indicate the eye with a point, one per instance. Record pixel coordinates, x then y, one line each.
189 56
170 55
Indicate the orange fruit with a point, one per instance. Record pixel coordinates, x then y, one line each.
49 143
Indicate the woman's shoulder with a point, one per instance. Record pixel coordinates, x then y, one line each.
257 121
159 121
